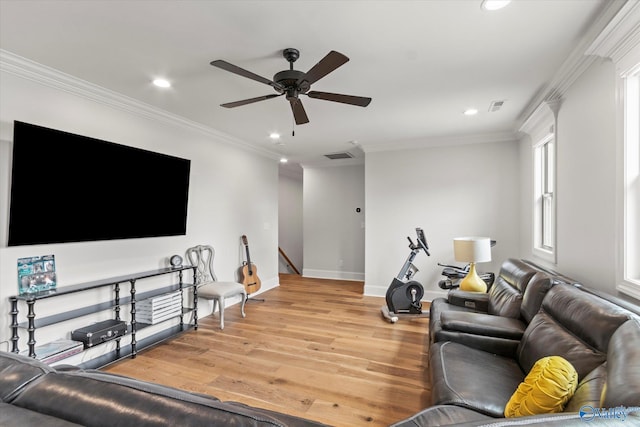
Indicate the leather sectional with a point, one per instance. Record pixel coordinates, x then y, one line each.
482 347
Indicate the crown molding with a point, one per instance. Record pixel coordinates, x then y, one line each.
577 62
620 37
443 141
333 163
50 77
543 119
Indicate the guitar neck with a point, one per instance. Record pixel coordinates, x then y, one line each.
249 260
246 247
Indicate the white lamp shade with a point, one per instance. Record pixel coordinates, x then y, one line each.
472 249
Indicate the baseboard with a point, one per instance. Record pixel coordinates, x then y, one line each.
375 290
335 275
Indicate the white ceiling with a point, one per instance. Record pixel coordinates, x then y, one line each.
422 62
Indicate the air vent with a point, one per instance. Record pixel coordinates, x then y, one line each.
495 106
336 156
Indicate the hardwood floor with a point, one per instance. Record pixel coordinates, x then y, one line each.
315 348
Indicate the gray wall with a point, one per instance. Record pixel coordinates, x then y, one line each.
448 191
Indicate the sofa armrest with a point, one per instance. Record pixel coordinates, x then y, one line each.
493 334
472 300
483 324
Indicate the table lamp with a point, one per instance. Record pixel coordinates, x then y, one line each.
472 250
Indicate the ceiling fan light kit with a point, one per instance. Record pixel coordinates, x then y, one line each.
293 83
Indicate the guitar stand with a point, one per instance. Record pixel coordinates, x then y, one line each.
254 299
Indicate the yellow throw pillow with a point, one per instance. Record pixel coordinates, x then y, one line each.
546 389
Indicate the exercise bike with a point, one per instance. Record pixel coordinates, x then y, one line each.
404 295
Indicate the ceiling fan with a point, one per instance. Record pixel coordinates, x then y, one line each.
293 83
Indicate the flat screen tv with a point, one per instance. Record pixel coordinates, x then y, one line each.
72 188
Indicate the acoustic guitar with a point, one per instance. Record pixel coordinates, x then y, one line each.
250 278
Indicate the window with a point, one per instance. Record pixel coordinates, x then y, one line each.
544 214
620 41
547 168
541 128
631 183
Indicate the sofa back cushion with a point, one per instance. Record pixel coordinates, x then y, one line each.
505 296
572 324
533 295
622 387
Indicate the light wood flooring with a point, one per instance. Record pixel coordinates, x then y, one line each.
315 348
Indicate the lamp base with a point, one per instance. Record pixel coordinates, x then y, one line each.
473 282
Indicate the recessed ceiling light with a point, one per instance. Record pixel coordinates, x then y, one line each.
283 160
470 112
274 135
494 4
162 83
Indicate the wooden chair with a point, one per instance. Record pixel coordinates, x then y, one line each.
208 285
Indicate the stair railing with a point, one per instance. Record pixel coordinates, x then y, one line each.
288 261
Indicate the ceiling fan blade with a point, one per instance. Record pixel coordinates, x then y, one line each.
249 101
326 65
360 101
298 111
244 73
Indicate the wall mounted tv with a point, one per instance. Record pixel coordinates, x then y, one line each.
72 188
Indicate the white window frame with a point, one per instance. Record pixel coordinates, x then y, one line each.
620 41
544 195
629 183
541 127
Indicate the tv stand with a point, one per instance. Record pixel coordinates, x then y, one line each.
33 322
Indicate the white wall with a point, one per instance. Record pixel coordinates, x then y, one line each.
448 191
586 178
290 224
232 192
333 230
526 199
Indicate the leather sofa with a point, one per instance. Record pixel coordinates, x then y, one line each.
35 394
471 384
493 321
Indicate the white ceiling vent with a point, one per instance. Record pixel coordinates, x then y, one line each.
495 106
336 156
